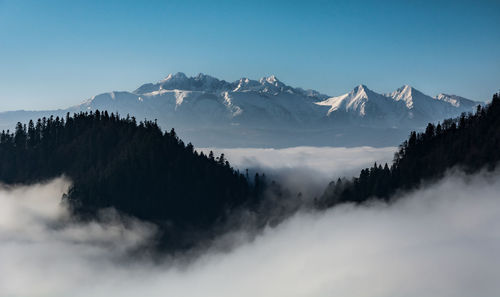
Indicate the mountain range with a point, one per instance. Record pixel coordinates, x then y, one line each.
268 113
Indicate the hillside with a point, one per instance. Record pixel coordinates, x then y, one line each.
133 167
208 111
470 142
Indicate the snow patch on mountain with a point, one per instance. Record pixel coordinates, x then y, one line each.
455 100
405 94
235 110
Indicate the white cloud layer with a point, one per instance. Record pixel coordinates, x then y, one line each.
442 240
329 161
305 169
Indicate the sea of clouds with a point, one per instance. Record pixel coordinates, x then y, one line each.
442 239
305 169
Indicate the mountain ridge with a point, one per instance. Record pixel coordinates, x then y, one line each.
267 112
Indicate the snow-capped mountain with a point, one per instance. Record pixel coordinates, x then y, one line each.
182 101
405 107
208 84
363 105
267 112
422 107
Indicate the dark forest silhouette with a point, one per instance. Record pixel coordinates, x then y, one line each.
133 167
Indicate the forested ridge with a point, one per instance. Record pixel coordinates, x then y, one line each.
133 167
470 142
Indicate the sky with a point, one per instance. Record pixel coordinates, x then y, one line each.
54 54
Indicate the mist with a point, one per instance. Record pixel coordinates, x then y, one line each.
440 240
305 169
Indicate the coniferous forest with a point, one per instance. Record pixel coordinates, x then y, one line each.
470 143
133 167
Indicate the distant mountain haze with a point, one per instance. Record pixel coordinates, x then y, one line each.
268 113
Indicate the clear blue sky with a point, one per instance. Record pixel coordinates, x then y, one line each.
58 53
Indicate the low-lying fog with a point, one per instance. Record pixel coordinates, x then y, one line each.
441 240
305 169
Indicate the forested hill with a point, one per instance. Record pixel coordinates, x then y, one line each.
116 162
470 142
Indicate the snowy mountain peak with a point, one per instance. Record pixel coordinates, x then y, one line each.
176 76
407 94
203 76
404 91
424 106
455 100
245 85
272 80
179 81
354 101
360 89
441 96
